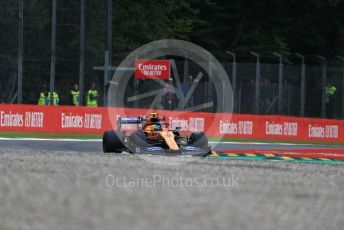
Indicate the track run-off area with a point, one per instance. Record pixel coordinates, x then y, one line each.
72 184
231 150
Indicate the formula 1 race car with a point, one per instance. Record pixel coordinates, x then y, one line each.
153 136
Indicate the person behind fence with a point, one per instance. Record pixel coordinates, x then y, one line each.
44 96
56 99
190 81
330 91
265 89
75 95
169 95
92 96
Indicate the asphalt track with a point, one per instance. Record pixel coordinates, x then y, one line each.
95 145
286 149
73 185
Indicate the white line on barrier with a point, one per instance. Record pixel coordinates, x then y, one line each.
47 139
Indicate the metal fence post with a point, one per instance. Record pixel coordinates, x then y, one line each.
234 81
342 59
239 99
108 52
343 89
82 51
273 96
210 93
303 88
185 79
186 67
106 76
257 96
136 88
323 98
53 48
185 76
109 31
20 54
289 98
280 83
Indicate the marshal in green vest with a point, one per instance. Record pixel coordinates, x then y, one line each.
44 99
75 97
43 96
329 91
92 96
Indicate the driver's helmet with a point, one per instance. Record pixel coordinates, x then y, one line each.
153 127
153 122
156 127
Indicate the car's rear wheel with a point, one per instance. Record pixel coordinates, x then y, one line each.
199 139
112 141
136 141
176 135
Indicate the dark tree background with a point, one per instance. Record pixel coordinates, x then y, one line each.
287 26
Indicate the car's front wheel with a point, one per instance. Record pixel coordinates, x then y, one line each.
136 141
112 142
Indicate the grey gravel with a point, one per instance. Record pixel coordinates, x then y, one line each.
73 190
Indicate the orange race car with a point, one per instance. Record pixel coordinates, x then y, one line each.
153 136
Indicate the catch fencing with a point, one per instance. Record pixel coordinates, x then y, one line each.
61 42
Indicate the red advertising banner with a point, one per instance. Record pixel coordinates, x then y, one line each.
69 119
152 69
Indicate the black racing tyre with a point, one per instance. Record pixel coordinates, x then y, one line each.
199 139
137 140
112 142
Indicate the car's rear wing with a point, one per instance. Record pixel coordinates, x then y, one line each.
132 123
134 120
129 120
